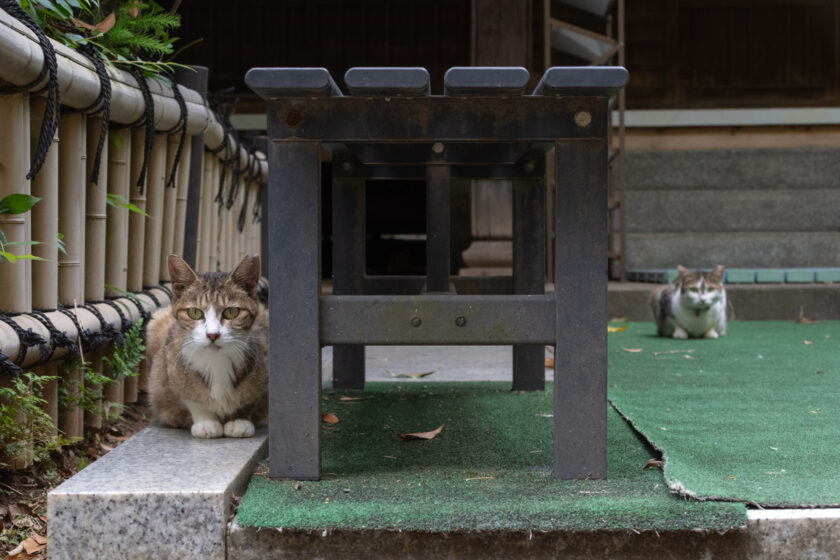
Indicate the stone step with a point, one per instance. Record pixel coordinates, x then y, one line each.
735 250
769 534
161 494
718 210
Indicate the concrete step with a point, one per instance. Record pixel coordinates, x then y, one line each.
734 249
161 494
749 302
734 169
769 535
719 210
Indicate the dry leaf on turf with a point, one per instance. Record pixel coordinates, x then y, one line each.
622 328
40 539
549 363
654 464
330 418
632 349
806 320
807 342
421 435
346 398
673 352
412 375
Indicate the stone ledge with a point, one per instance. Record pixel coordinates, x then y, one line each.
161 494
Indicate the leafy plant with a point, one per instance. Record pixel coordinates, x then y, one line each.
25 429
87 393
120 201
129 354
16 203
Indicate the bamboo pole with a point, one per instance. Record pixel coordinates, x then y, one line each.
155 180
183 185
45 219
71 208
116 239
95 216
71 212
136 222
170 200
205 220
14 162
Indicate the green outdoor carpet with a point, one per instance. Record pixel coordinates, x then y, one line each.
753 416
488 469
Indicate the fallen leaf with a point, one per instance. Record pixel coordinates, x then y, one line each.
806 320
654 464
421 435
732 477
479 478
774 448
31 546
330 418
546 415
134 10
622 328
19 509
412 375
632 349
673 352
817 411
82 24
106 24
549 363
688 357
40 539
807 342
346 399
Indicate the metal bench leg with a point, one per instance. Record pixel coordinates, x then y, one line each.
437 228
348 223
580 358
528 274
294 222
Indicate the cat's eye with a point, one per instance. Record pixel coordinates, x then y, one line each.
195 313
230 313
695 290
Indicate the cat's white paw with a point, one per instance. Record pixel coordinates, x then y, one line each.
207 429
239 428
679 333
711 334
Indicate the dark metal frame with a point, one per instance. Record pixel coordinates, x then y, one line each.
484 127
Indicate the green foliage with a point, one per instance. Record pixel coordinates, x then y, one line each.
24 426
120 201
85 394
129 354
16 203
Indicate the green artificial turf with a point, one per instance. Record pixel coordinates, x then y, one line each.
487 470
752 416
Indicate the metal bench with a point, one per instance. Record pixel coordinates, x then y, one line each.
484 126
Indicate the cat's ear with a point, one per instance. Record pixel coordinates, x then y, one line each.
180 274
681 270
718 271
246 275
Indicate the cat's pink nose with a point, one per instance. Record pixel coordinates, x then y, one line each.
213 336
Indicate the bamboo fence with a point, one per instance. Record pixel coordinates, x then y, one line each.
109 250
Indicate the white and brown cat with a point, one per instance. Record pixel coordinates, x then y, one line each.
692 306
209 352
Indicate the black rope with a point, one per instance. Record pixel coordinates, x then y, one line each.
167 290
244 211
106 333
180 126
125 323
257 215
149 119
104 97
52 111
27 338
58 339
152 296
84 335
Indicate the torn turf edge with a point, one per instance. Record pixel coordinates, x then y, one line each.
676 487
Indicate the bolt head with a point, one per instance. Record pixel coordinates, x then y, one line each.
460 321
293 118
347 166
438 148
583 118
415 321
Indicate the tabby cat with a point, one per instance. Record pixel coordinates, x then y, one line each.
209 352
693 305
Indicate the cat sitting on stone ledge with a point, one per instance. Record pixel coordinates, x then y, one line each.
208 352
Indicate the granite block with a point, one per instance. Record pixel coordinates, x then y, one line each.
161 494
